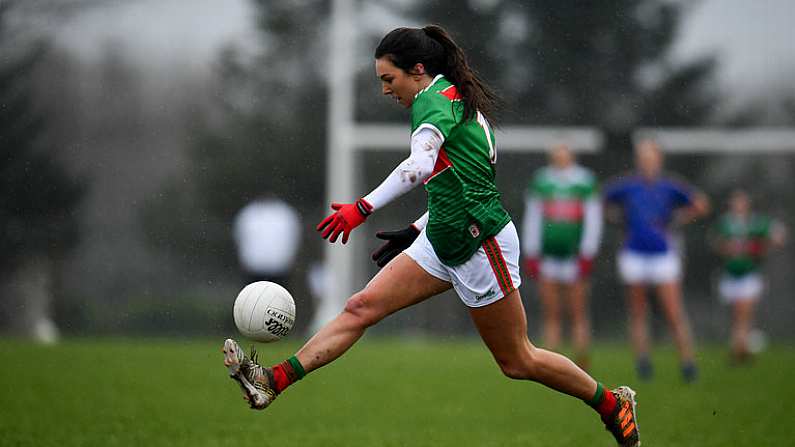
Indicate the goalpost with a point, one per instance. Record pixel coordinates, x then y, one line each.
682 140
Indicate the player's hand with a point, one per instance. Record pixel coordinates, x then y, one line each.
584 266
396 242
346 217
532 267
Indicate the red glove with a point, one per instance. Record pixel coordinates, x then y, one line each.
347 217
532 267
585 266
757 248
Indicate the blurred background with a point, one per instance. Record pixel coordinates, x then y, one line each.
133 132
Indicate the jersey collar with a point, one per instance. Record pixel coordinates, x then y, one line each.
436 78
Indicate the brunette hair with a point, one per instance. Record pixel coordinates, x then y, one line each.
433 47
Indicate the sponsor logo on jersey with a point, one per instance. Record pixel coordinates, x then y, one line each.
563 210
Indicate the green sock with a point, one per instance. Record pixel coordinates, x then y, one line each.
598 396
297 367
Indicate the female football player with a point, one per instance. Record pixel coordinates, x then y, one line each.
561 232
651 203
465 240
743 238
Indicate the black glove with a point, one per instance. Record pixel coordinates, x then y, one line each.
396 242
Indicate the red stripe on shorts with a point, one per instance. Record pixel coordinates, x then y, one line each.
498 265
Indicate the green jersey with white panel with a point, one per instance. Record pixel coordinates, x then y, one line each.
749 237
562 193
464 206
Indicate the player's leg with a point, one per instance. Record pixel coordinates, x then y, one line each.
742 316
633 269
670 297
548 290
637 305
399 284
503 327
580 322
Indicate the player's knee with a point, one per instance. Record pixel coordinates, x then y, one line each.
360 308
519 367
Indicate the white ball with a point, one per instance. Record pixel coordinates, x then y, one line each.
264 311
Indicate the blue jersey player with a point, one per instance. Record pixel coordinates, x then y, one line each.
651 204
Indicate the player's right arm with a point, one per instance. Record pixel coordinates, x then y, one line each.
413 171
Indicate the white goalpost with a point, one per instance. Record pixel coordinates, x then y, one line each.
682 140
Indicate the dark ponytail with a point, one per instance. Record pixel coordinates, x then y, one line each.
435 49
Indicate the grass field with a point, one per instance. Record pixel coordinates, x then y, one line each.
382 393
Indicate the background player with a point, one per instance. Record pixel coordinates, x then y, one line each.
742 240
648 200
267 236
561 233
466 240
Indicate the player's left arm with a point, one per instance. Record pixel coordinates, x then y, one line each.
778 234
694 204
698 208
397 241
592 228
591 231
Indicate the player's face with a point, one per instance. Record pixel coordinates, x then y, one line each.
648 158
397 83
740 203
560 156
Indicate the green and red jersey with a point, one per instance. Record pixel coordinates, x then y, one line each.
562 195
747 240
464 206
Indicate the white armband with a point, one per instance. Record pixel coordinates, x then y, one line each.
425 146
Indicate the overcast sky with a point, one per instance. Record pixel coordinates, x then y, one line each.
754 38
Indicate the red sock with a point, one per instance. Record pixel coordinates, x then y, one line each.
286 373
603 402
608 404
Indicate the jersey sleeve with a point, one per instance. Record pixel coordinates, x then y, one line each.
681 193
435 111
616 191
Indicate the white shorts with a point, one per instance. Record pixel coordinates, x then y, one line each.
741 288
644 268
565 270
490 274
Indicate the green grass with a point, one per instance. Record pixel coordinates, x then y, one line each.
382 393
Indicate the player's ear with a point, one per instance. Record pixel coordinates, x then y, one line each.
417 70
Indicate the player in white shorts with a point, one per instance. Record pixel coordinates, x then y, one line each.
636 267
650 203
475 280
743 238
561 232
